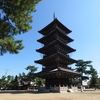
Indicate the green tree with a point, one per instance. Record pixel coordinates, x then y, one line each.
15 18
31 70
15 82
82 67
94 77
23 74
9 80
39 81
99 82
3 81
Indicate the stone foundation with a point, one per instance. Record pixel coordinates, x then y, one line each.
59 89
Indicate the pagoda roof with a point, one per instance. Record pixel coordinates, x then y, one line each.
54 23
58 72
57 41
51 33
53 57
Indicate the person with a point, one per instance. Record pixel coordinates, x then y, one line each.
81 88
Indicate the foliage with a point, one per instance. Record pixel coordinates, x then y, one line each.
82 66
99 82
7 81
94 77
85 67
23 80
39 81
3 81
15 18
31 69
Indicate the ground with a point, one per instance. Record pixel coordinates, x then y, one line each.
30 95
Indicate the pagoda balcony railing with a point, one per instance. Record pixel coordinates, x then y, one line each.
54 50
49 33
52 41
54 37
51 52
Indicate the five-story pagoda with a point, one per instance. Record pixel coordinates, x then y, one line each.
56 59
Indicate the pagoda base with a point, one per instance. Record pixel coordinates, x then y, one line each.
59 89
56 82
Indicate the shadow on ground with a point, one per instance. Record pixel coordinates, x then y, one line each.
89 91
19 92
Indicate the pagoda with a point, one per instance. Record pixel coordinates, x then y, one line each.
56 60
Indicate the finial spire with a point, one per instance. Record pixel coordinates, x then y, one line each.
54 15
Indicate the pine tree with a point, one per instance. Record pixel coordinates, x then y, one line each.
15 18
82 66
94 77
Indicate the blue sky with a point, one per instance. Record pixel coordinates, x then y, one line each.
80 16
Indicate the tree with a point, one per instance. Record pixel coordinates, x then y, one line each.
85 67
23 74
99 82
82 66
9 78
3 81
39 81
15 18
94 77
31 69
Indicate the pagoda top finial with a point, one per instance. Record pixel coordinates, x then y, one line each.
54 16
